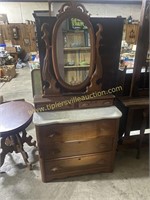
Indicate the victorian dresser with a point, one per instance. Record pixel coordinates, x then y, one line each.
76 120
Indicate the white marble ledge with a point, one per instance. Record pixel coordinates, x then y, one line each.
78 115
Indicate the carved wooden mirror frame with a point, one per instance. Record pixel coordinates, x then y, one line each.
93 81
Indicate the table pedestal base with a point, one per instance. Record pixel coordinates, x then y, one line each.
15 143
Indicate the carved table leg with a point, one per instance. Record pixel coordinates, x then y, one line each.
6 147
28 139
15 143
20 149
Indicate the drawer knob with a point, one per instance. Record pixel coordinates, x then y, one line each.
106 102
55 151
52 134
54 169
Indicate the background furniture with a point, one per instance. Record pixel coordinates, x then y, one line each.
15 117
136 104
135 117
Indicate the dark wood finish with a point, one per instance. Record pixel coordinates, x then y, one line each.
96 80
106 62
78 165
81 147
142 47
135 108
135 117
108 53
45 104
15 117
109 50
74 10
145 120
76 148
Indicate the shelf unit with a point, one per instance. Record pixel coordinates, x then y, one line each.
76 51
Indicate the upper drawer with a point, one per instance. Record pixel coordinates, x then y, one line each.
58 150
76 131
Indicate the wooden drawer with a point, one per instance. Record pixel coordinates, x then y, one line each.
80 147
95 103
75 132
76 165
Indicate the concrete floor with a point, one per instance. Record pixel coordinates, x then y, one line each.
129 181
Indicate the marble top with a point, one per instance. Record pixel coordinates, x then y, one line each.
77 115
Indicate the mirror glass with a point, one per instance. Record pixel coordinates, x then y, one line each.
73 49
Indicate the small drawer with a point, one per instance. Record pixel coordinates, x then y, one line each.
80 147
53 107
95 103
76 131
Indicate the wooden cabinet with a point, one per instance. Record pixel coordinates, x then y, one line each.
77 148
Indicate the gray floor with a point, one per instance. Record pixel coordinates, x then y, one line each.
129 181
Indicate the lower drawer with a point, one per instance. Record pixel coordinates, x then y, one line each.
77 165
79 147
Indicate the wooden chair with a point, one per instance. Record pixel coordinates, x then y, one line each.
135 107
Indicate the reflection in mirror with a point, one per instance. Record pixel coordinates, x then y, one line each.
73 51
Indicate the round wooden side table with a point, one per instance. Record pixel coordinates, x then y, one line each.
15 117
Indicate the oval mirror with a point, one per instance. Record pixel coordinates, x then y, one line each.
73 51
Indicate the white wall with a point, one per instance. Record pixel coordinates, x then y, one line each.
19 12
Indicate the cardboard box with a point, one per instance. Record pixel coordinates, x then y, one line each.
11 49
9 71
